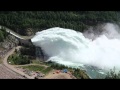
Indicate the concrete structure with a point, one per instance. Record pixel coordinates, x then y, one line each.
23 40
26 41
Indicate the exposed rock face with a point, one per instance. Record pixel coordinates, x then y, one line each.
25 42
40 55
8 44
29 32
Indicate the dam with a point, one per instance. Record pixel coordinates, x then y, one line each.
26 41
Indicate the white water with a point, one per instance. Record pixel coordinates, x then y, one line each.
68 47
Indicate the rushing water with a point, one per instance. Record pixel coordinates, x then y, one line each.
71 48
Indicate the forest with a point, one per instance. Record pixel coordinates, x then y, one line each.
3 34
20 21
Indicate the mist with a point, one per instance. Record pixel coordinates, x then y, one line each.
98 46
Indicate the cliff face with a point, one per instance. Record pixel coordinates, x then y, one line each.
8 44
29 32
40 54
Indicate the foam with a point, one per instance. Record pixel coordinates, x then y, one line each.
71 48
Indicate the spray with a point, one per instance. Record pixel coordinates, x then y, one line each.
74 49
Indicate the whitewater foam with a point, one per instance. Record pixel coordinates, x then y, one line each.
71 48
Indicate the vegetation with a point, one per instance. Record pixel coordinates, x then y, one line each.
18 59
34 67
79 74
46 70
3 34
42 69
34 61
20 21
23 56
27 51
112 74
58 66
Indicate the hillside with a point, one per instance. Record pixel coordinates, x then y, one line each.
28 22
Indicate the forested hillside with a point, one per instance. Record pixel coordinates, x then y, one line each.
3 34
20 21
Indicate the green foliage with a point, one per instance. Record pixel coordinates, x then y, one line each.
18 59
34 67
79 74
58 66
48 69
27 51
42 69
3 34
23 56
16 51
19 21
112 74
36 62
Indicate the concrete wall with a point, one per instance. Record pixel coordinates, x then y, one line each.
25 42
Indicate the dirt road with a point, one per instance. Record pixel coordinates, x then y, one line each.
6 73
19 72
12 66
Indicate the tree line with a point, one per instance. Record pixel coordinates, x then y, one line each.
19 21
3 34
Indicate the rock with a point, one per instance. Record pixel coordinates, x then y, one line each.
29 32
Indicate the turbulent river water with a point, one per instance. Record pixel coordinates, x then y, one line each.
71 48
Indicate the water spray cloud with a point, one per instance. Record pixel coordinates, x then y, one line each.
68 47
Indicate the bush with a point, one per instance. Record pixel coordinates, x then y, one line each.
58 66
27 51
18 59
79 74
112 74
